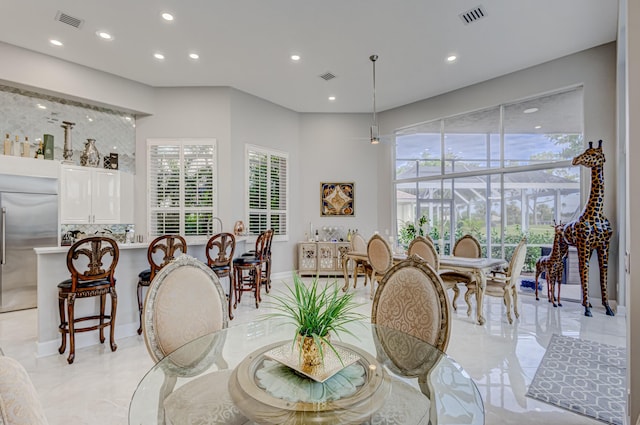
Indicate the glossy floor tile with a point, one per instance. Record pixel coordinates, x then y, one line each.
501 358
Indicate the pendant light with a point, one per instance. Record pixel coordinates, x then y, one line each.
375 135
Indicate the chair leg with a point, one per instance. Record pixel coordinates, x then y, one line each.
239 285
71 327
140 307
232 290
101 319
456 294
514 295
507 303
63 327
112 321
467 299
257 279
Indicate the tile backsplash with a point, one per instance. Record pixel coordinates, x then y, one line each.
69 233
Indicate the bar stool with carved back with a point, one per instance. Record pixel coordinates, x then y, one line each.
220 249
254 266
161 251
265 277
92 263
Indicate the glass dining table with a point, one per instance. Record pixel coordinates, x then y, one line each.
246 374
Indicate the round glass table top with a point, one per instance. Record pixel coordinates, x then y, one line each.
240 376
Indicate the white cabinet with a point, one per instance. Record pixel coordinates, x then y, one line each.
321 258
89 195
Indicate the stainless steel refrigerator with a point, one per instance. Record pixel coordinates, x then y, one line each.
29 218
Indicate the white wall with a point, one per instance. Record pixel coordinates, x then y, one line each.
194 112
594 68
258 122
336 148
633 202
30 70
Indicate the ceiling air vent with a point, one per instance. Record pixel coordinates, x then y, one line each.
69 20
327 76
473 15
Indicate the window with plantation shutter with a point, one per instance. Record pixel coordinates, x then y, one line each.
182 179
267 185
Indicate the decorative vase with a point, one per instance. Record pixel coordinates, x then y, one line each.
90 156
310 352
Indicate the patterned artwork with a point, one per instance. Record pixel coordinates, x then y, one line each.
337 199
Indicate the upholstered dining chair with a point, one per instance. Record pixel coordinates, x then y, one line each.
358 245
503 283
19 403
219 251
380 259
174 316
92 263
467 247
425 249
161 251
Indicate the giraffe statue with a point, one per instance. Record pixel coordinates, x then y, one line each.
592 231
552 265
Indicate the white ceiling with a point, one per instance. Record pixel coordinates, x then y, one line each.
247 44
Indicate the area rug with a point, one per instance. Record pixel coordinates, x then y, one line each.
584 377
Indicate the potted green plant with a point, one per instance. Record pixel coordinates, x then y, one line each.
316 314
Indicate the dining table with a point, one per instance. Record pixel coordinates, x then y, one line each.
250 374
478 268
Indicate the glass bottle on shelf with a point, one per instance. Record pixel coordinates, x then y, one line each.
16 147
26 148
40 151
317 236
7 145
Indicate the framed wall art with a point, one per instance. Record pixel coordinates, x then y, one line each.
337 199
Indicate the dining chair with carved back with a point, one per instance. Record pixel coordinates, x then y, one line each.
219 251
358 245
467 247
425 249
412 299
174 317
92 263
160 252
19 402
380 259
503 283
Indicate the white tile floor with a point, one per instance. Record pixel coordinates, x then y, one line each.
501 358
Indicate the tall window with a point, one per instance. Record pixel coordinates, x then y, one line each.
496 174
267 191
182 180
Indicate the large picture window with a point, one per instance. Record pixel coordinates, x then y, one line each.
267 191
496 174
182 179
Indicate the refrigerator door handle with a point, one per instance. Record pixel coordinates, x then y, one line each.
3 230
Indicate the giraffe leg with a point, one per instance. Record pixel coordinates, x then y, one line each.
603 257
583 266
537 275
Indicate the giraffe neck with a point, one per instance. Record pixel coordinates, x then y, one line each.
596 194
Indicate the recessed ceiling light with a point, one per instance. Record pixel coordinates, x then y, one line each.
41 106
167 16
194 56
158 56
295 58
452 58
55 42
332 98
104 35
530 110
538 127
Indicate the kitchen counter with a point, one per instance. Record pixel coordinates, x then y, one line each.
52 269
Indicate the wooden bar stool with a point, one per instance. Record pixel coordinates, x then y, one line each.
220 249
161 251
253 265
89 278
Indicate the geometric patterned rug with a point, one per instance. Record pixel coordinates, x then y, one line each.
584 377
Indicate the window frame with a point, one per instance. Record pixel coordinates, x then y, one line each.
249 149
182 209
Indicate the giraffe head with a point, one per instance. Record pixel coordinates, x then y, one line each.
590 158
